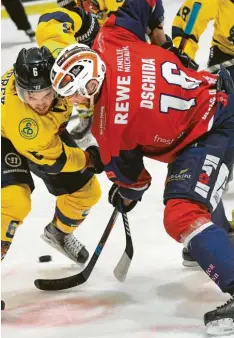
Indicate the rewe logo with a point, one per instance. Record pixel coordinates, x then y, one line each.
211 162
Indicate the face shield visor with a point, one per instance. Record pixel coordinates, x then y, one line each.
24 94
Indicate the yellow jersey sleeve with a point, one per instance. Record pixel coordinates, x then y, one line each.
207 13
37 137
57 28
223 36
106 8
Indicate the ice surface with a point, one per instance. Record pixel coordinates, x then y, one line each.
159 298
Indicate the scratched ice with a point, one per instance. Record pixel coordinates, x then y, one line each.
159 298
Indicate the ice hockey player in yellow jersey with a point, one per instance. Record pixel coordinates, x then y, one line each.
222 44
34 139
60 27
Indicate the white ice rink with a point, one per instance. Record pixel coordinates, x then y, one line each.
160 298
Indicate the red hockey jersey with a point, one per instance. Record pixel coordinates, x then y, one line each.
148 100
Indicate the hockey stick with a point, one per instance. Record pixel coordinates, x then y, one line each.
81 277
190 24
225 64
122 267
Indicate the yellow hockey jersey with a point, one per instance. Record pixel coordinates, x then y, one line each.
106 7
221 11
57 27
37 137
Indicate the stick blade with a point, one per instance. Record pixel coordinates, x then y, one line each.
60 284
122 267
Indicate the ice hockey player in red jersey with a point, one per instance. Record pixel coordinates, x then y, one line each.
147 104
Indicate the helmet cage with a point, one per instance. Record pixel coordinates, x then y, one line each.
75 68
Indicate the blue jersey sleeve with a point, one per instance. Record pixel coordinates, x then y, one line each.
137 15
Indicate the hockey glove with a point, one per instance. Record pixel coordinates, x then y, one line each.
89 29
94 163
184 58
117 200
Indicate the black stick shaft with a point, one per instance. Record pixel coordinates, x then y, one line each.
80 278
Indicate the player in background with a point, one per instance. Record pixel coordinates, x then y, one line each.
222 46
147 104
18 15
34 139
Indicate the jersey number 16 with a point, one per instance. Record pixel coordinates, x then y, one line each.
175 76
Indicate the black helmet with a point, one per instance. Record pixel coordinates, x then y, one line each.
32 68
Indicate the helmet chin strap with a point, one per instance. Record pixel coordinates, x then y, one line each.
91 101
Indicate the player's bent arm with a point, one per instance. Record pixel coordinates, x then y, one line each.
157 36
207 13
136 15
54 158
69 160
155 24
128 172
57 29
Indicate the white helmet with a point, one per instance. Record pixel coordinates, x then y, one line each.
74 68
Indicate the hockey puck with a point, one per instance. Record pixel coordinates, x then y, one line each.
45 259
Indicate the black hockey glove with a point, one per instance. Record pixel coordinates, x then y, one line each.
89 29
96 163
184 58
117 200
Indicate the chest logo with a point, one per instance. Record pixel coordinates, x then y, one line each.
28 129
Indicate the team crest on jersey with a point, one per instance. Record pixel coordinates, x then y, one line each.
28 129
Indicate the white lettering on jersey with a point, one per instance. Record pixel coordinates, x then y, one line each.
123 60
148 83
211 163
211 105
122 99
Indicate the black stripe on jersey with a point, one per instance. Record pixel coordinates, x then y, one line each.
176 31
64 219
58 16
57 166
221 44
